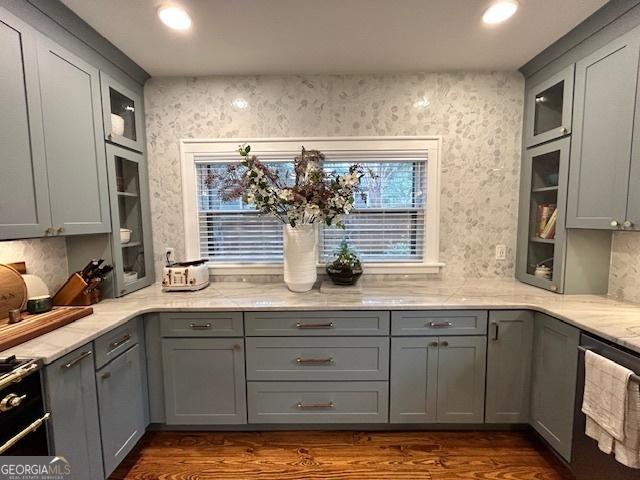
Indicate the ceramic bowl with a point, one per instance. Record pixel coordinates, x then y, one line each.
125 235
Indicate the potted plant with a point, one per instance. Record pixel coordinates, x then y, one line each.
346 268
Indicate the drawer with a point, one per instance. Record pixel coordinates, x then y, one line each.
201 324
318 402
279 324
112 344
453 322
324 358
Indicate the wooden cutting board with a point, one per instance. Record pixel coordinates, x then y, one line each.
13 290
33 326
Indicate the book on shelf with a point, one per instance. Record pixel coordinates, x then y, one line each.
546 221
549 230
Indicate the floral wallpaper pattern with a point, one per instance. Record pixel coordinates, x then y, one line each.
624 276
45 257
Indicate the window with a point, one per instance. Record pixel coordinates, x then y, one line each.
394 226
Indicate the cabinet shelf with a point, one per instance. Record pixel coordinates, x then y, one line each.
131 244
545 189
543 240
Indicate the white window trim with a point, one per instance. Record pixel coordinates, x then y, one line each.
191 149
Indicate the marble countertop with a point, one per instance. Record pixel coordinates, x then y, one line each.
616 321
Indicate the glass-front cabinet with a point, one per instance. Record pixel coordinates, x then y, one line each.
541 218
130 217
549 107
122 110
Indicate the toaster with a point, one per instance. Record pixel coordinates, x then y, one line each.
185 276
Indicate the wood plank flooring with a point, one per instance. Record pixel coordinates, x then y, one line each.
340 456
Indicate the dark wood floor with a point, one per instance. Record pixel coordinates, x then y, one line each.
341 455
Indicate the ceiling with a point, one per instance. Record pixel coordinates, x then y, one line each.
330 36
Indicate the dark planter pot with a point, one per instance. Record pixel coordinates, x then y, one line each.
344 277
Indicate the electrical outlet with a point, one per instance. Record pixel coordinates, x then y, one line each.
169 255
501 252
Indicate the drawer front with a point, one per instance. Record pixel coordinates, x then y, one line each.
209 324
454 322
318 358
112 344
318 402
322 324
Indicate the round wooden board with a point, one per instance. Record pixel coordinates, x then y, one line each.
13 290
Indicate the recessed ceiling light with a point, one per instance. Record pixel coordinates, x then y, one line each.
174 17
500 11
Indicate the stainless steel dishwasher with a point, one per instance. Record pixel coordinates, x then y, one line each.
587 461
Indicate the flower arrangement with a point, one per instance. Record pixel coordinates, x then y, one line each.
346 268
314 195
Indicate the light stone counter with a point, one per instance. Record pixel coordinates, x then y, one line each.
614 320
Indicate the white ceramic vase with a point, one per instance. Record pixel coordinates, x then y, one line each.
300 252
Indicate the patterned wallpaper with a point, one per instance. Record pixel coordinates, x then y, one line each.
624 276
45 257
479 116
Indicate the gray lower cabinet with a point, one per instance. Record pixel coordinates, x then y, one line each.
72 401
509 353
24 192
74 146
122 411
204 381
438 379
553 385
602 141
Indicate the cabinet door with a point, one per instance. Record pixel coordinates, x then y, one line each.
24 195
553 385
204 381
122 415
74 146
605 98
549 107
123 115
461 379
72 400
509 366
414 380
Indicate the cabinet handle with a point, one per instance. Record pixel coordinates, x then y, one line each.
313 361
553 288
433 344
117 343
439 324
627 224
496 330
49 231
314 325
614 223
11 401
315 405
60 230
564 130
77 360
199 326
31 428
105 375
109 136
444 344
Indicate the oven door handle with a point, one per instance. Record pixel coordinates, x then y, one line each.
17 375
31 428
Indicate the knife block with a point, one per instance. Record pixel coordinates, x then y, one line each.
74 293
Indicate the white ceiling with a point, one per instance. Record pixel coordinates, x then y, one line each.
330 36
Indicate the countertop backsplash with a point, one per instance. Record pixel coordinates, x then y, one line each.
624 276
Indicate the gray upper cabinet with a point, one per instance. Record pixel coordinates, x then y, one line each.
204 381
509 353
74 147
602 140
548 108
71 396
24 193
553 385
123 114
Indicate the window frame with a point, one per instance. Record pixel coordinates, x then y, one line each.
225 150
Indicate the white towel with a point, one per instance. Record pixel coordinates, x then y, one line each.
612 406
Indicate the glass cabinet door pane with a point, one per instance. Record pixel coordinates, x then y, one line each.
548 109
123 115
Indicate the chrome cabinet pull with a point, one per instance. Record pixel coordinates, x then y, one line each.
564 130
199 326
314 361
77 360
627 224
117 343
303 405
105 375
433 344
440 324
444 344
17 375
496 330
11 401
314 325
31 428
614 223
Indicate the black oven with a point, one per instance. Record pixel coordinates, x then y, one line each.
23 429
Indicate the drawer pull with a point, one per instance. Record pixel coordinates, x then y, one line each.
303 405
77 360
314 325
199 326
117 343
314 361
440 324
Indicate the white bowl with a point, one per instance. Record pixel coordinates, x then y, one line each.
125 235
117 125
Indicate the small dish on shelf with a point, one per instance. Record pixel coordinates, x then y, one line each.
125 235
